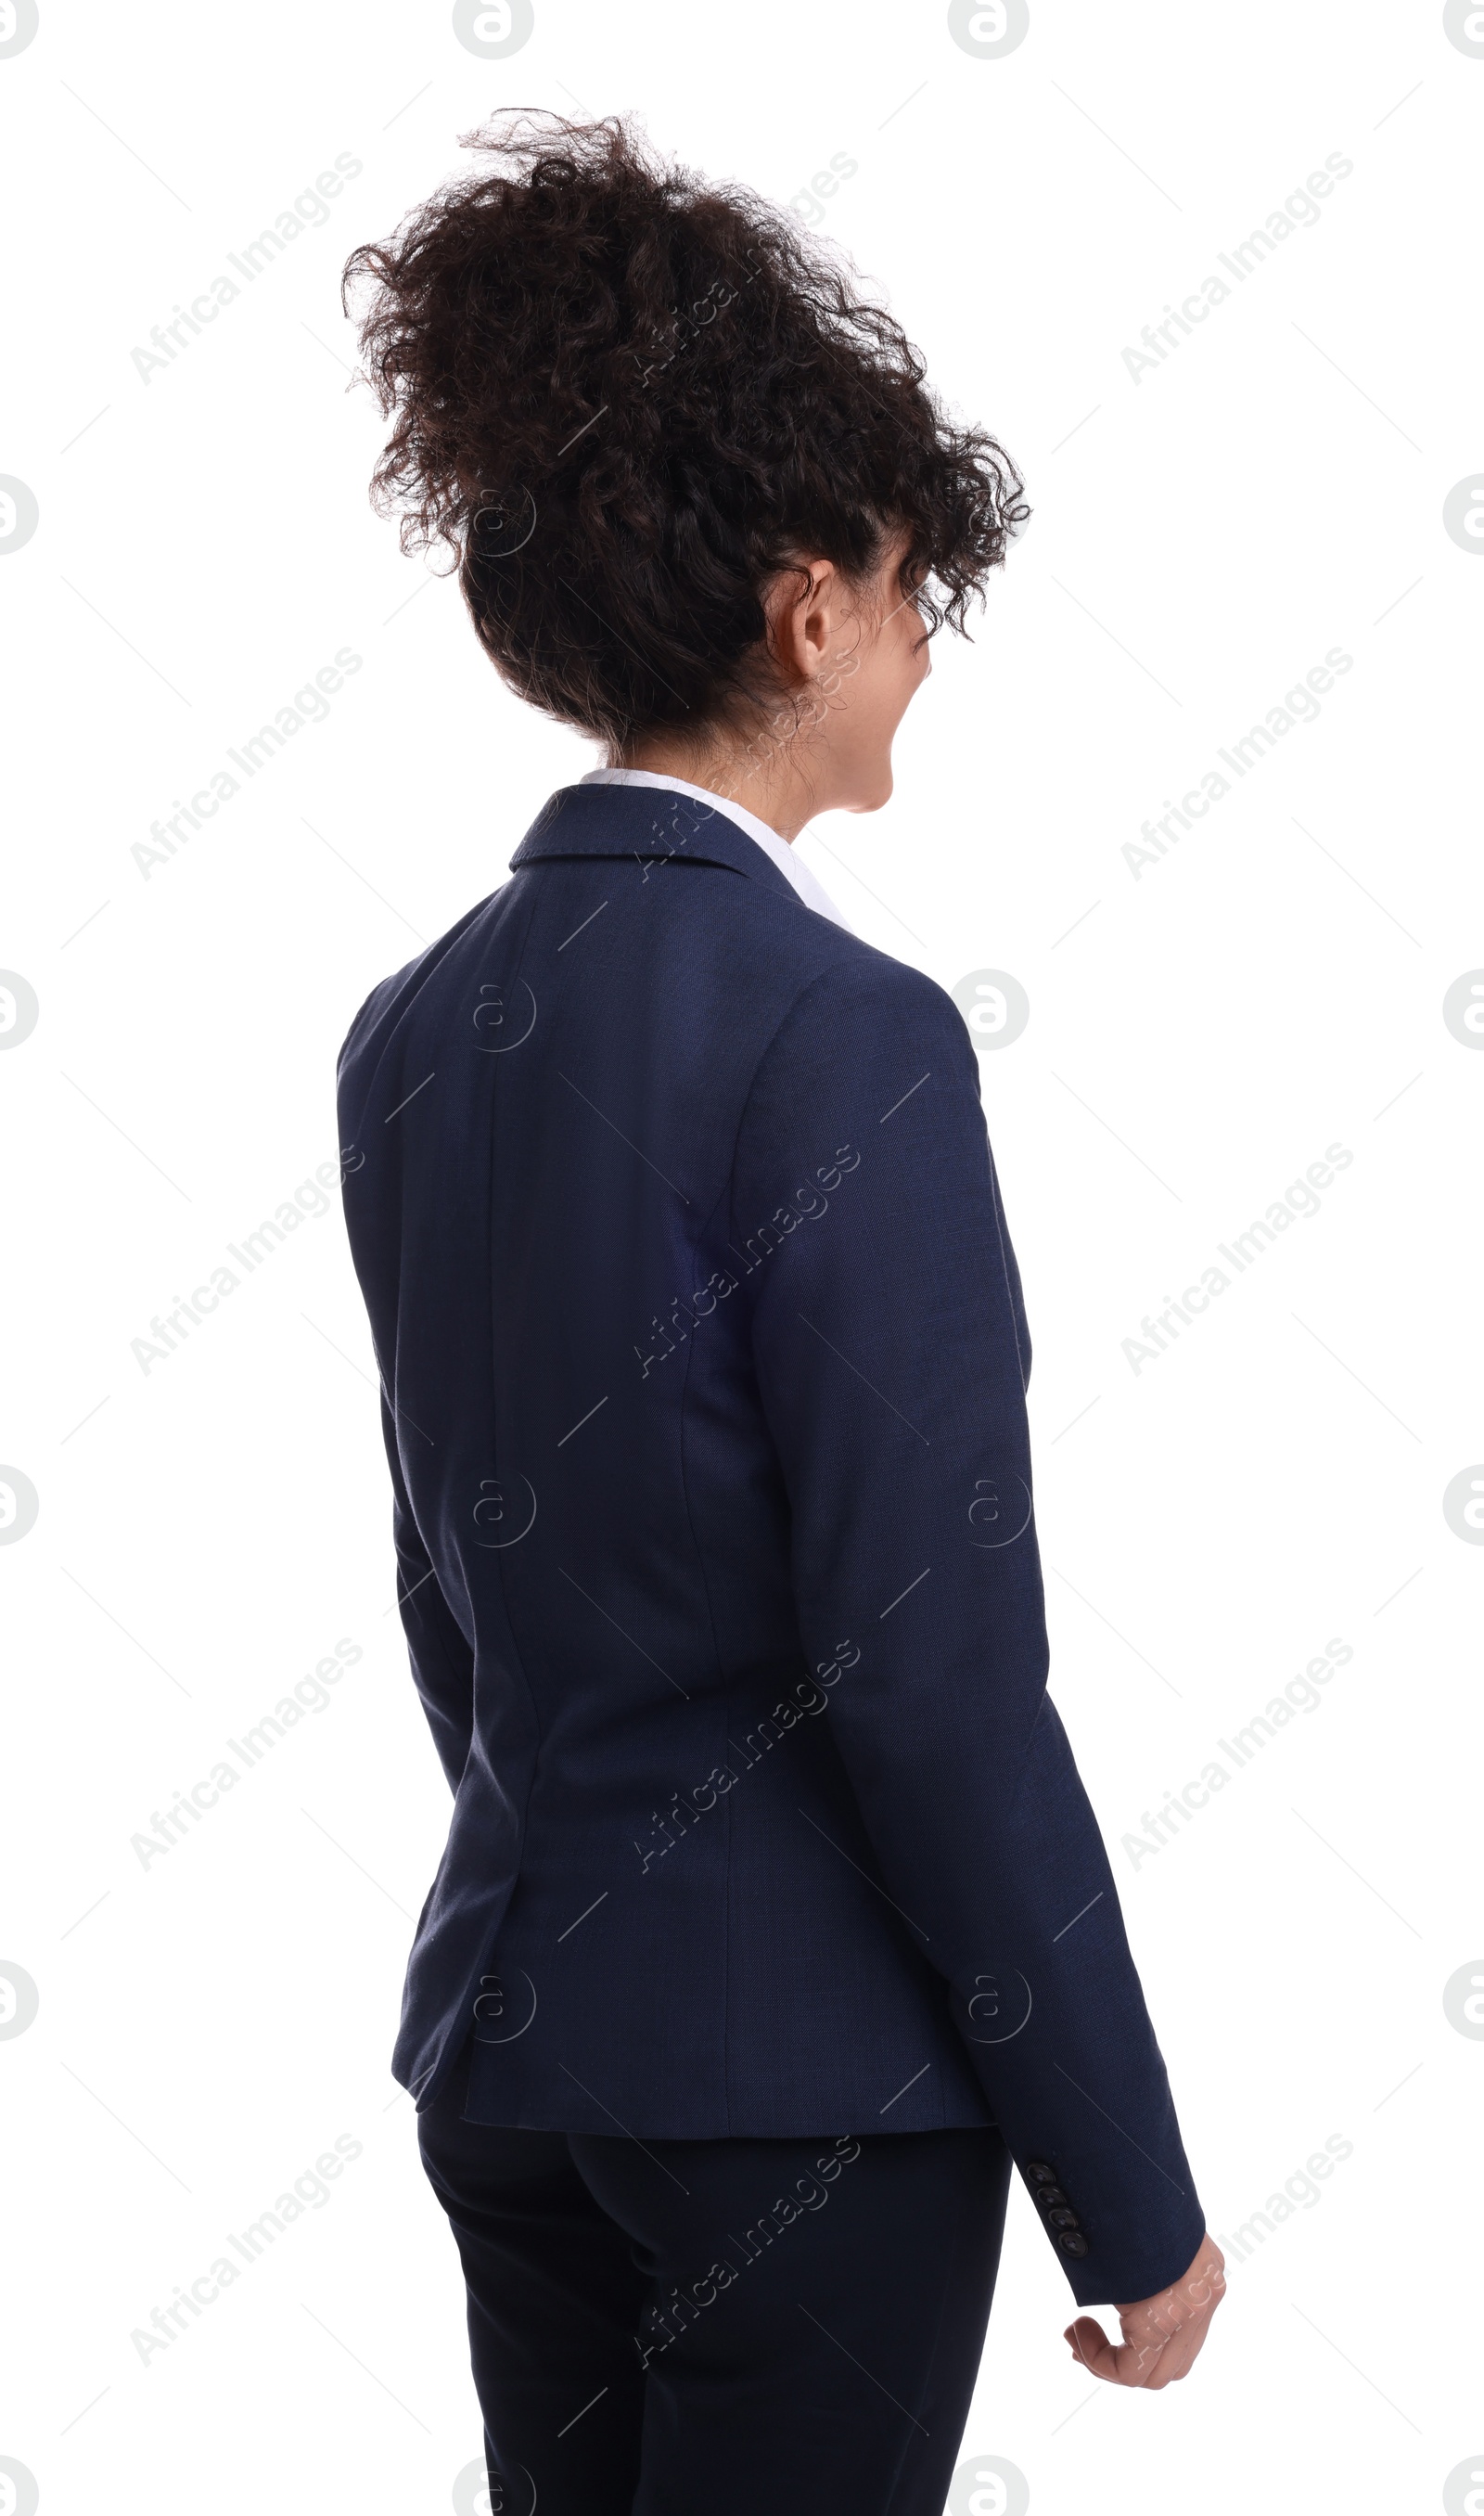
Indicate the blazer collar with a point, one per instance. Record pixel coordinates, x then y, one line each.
647 822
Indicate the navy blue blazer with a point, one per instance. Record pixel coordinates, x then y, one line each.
703 1360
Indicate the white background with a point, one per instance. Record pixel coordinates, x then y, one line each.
1198 1034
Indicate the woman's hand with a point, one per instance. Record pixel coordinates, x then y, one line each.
1161 2334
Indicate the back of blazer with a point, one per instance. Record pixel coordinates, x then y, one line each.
703 1361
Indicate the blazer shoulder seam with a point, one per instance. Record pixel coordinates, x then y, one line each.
846 960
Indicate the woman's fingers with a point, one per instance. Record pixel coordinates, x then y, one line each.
1181 2354
1150 2363
1117 2363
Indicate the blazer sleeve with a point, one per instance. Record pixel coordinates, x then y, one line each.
442 1661
890 1346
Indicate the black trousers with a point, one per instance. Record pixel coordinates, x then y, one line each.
684 2328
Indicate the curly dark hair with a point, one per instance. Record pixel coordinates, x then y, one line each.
625 401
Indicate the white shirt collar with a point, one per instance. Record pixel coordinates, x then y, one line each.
808 885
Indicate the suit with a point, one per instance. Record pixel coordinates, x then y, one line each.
704 1355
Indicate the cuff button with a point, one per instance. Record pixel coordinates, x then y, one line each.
1072 2241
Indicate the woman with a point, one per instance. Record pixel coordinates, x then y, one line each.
773 1926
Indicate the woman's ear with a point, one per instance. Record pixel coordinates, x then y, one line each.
801 607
